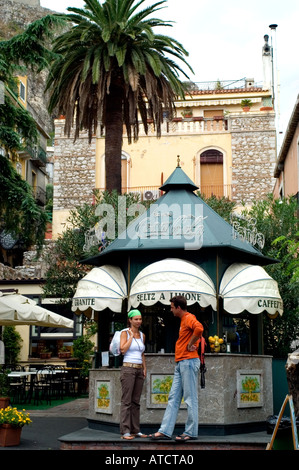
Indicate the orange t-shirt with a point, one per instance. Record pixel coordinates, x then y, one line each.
189 326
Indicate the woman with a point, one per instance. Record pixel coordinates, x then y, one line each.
133 373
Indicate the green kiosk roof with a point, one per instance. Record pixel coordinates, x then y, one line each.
179 220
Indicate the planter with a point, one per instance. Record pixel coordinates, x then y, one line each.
4 402
246 109
64 355
45 355
266 108
9 435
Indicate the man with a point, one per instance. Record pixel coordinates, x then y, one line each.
185 381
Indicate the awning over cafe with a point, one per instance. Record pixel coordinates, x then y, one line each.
247 287
103 287
164 279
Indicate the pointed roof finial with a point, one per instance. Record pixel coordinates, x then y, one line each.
178 162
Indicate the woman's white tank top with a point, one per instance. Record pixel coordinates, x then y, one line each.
134 353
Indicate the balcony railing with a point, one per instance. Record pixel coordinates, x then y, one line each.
192 125
151 193
37 154
39 195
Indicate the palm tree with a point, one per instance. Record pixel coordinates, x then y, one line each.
110 65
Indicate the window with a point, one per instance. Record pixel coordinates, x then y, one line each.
22 91
211 173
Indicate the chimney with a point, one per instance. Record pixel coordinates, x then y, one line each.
267 64
249 82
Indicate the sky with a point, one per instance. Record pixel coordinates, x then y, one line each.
225 40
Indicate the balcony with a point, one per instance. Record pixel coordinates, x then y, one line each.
37 154
192 125
39 195
151 193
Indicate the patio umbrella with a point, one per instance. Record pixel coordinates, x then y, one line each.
247 287
164 279
16 309
103 287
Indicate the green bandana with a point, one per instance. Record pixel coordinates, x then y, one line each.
134 313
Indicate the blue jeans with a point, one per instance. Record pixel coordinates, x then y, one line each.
184 385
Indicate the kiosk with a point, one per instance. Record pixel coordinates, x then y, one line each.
181 246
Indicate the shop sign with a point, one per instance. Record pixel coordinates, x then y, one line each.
166 296
86 302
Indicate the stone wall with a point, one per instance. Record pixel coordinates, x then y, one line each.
32 267
74 169
219 401
22 14
253 156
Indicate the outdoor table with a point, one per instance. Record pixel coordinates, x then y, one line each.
22 374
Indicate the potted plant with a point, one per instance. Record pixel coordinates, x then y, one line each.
64 353
246 104
45 353
187 113
4 389
11 423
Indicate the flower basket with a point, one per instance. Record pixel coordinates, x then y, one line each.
9 435
11 424
45 355
64 354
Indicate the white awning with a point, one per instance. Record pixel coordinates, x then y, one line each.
16 309
162 280
103 287
247 287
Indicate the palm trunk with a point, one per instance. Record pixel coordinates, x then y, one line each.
113 138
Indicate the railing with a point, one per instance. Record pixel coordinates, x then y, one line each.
39 195
218 190
195 125
37 154
224 84
151 193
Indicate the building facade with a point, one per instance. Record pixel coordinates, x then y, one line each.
287 165
225 149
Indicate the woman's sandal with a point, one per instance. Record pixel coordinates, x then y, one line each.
184 437
140 434
128 437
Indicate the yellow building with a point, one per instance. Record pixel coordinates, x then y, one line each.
225 149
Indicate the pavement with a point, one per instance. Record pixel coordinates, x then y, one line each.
68 422
48 425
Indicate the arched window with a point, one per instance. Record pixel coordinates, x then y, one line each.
211 173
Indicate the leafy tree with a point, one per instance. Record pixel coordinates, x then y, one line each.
63 258
222 205
13 343
83 348
19 212
278 221
64 269
20 215
110 65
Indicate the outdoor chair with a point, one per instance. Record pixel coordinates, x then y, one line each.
42 386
